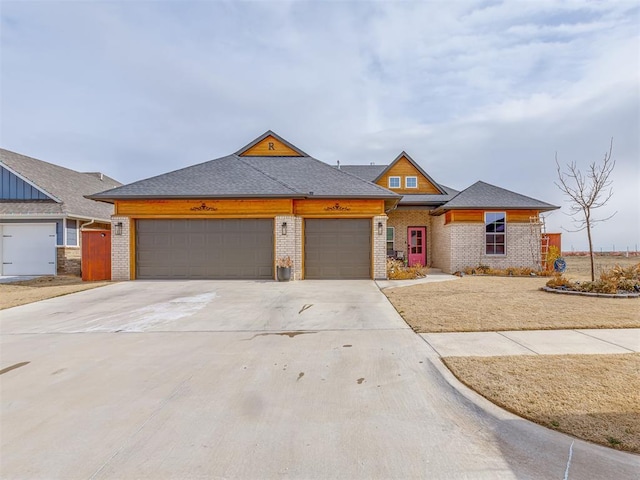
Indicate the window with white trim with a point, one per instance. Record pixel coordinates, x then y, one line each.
410 182
495 224
391 235
394 182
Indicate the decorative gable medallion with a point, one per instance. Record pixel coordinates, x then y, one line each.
203 208
336 208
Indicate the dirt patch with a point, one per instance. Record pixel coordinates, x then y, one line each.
485 304
41 288
593 397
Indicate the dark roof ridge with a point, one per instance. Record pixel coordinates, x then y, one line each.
266 174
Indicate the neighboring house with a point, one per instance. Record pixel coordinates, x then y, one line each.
42 211
235 216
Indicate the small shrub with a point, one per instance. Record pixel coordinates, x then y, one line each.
509 271
397 270
552 255
612 281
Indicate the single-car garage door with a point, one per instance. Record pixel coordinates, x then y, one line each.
217 249
337 248
28 249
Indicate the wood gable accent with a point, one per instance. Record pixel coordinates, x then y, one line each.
403 166
477 216
270 145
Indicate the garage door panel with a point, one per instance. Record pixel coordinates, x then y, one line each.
337 248
28 249
177 248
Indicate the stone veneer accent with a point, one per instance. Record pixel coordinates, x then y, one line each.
467 241
68 260
401 220
379 248
120 250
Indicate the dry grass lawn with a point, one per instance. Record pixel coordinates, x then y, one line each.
594 397
485 304
579 268
41 288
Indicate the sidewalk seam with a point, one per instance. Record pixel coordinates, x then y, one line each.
605 341
502 333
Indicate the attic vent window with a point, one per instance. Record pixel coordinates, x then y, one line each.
394 182
411 182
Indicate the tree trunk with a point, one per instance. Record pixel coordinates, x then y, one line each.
593 274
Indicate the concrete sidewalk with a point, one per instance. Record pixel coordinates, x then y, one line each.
535 342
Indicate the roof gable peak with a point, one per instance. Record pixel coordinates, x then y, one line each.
270 144
433 186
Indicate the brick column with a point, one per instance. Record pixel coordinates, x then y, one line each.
286 244
379 248
120 250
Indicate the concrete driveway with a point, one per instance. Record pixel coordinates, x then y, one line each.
255 380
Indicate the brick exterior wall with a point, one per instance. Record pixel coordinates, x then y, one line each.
379 248
401 220
68 260
441 244
120 250
468 248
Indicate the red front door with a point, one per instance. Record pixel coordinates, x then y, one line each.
416 246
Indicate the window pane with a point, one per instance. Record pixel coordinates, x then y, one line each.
495 228
390 232
411 182
394 182
72 233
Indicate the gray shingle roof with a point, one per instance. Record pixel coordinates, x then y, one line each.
366 172
484 195
236 176
429 199
66 185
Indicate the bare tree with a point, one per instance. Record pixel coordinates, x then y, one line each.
586 193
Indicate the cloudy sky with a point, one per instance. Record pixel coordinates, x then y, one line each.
471 90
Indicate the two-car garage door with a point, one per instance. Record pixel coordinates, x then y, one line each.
200 248
244 249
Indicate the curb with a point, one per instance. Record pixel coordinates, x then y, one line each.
591 294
